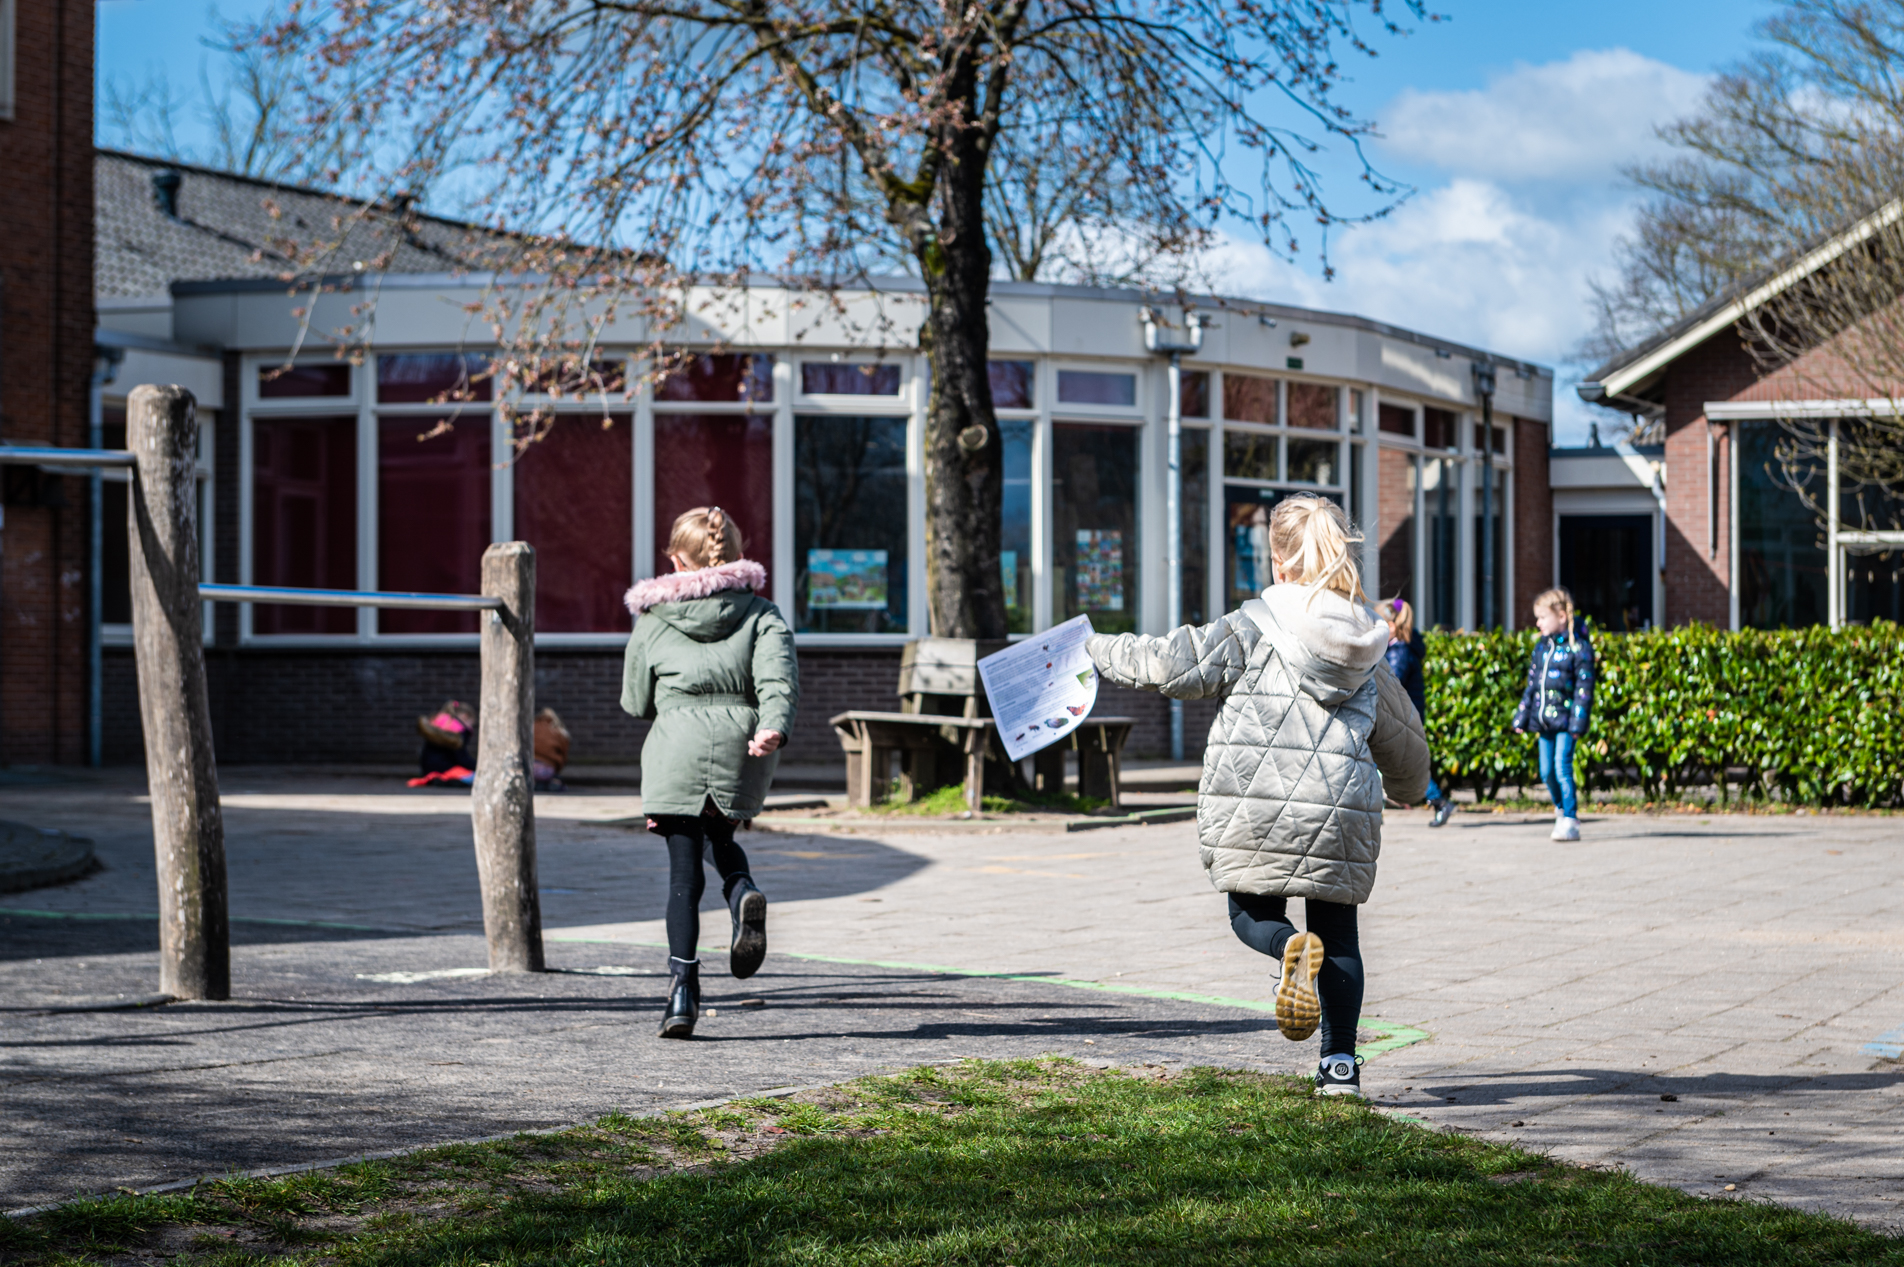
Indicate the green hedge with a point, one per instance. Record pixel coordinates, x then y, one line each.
1811 716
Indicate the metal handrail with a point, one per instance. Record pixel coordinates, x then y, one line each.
68 459
348 598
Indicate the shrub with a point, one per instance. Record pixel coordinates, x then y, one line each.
1811 716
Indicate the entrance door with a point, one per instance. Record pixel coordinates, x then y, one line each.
1606 563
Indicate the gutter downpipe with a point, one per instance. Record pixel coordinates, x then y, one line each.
1156 342
105 368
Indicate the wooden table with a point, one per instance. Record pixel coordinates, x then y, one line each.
927 743
1099 743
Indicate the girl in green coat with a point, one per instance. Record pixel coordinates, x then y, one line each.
711 664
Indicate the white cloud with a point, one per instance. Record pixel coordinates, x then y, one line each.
1576 120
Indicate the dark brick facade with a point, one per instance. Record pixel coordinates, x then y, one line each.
1532 537
1698 577
46 331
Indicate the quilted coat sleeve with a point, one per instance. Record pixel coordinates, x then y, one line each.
1585 670
1397 743
776 672
1194 662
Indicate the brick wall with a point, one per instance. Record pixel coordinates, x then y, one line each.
46 328
1698 578
1533 530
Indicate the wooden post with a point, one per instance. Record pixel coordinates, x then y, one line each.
188 832
502 805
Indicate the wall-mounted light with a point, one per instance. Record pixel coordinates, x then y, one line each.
1297 338
1268 321
1444 354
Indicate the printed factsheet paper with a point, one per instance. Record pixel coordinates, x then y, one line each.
1042 687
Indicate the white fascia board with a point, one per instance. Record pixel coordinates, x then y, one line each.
1617 382
1751 410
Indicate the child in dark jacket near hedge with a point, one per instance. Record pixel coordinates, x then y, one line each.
1407 652
1558 702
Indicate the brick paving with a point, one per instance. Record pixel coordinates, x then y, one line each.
1740 964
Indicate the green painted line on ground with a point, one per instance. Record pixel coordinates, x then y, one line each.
1397 1037
236 919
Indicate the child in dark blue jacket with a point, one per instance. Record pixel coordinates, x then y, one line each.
1558 702
1407 651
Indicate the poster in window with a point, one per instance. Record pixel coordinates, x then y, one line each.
1100 569
1008 568
847 580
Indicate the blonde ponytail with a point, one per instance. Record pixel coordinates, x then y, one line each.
704 537
1310 538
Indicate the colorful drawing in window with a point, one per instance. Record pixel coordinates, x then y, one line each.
850 523
1100 569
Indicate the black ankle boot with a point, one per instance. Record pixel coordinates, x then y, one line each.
684 998
748 905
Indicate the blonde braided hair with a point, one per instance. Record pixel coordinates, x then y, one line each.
704 537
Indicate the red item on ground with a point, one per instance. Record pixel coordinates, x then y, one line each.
455 774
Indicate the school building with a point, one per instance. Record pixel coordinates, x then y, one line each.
807 429
1732 542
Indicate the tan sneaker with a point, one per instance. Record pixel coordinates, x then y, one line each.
1298 1010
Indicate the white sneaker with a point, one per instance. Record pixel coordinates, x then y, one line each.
1565 829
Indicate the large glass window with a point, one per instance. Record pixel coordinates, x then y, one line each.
841 378
304 519
1194 469
433 519
1193 393
1013 384
293 382
1606 564
1781 553
1313 405
1015 526
1396 420
1438 429
1095 387
726 378
411 378
1314 462
1246 556
850 524
1397 474
1094 522
574 502
1249 455
723 460
1442 501
1499 529
1247 398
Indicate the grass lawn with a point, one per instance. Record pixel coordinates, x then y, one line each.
1034 1162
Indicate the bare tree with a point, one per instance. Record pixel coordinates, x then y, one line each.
1793 149
657 146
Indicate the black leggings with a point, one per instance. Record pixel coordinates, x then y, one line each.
687 835
1262 923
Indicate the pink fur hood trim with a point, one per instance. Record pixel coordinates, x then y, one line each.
741 574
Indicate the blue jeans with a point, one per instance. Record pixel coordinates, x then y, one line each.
1556 770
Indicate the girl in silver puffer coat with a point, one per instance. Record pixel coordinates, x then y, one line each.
1314 730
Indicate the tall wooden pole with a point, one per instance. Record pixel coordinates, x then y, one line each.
501 803
188 833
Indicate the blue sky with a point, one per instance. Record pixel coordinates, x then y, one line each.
1510 118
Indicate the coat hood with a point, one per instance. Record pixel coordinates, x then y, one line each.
1330 643
706 604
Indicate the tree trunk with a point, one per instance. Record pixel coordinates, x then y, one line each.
965 469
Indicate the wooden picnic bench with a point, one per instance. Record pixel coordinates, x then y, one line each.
945 734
